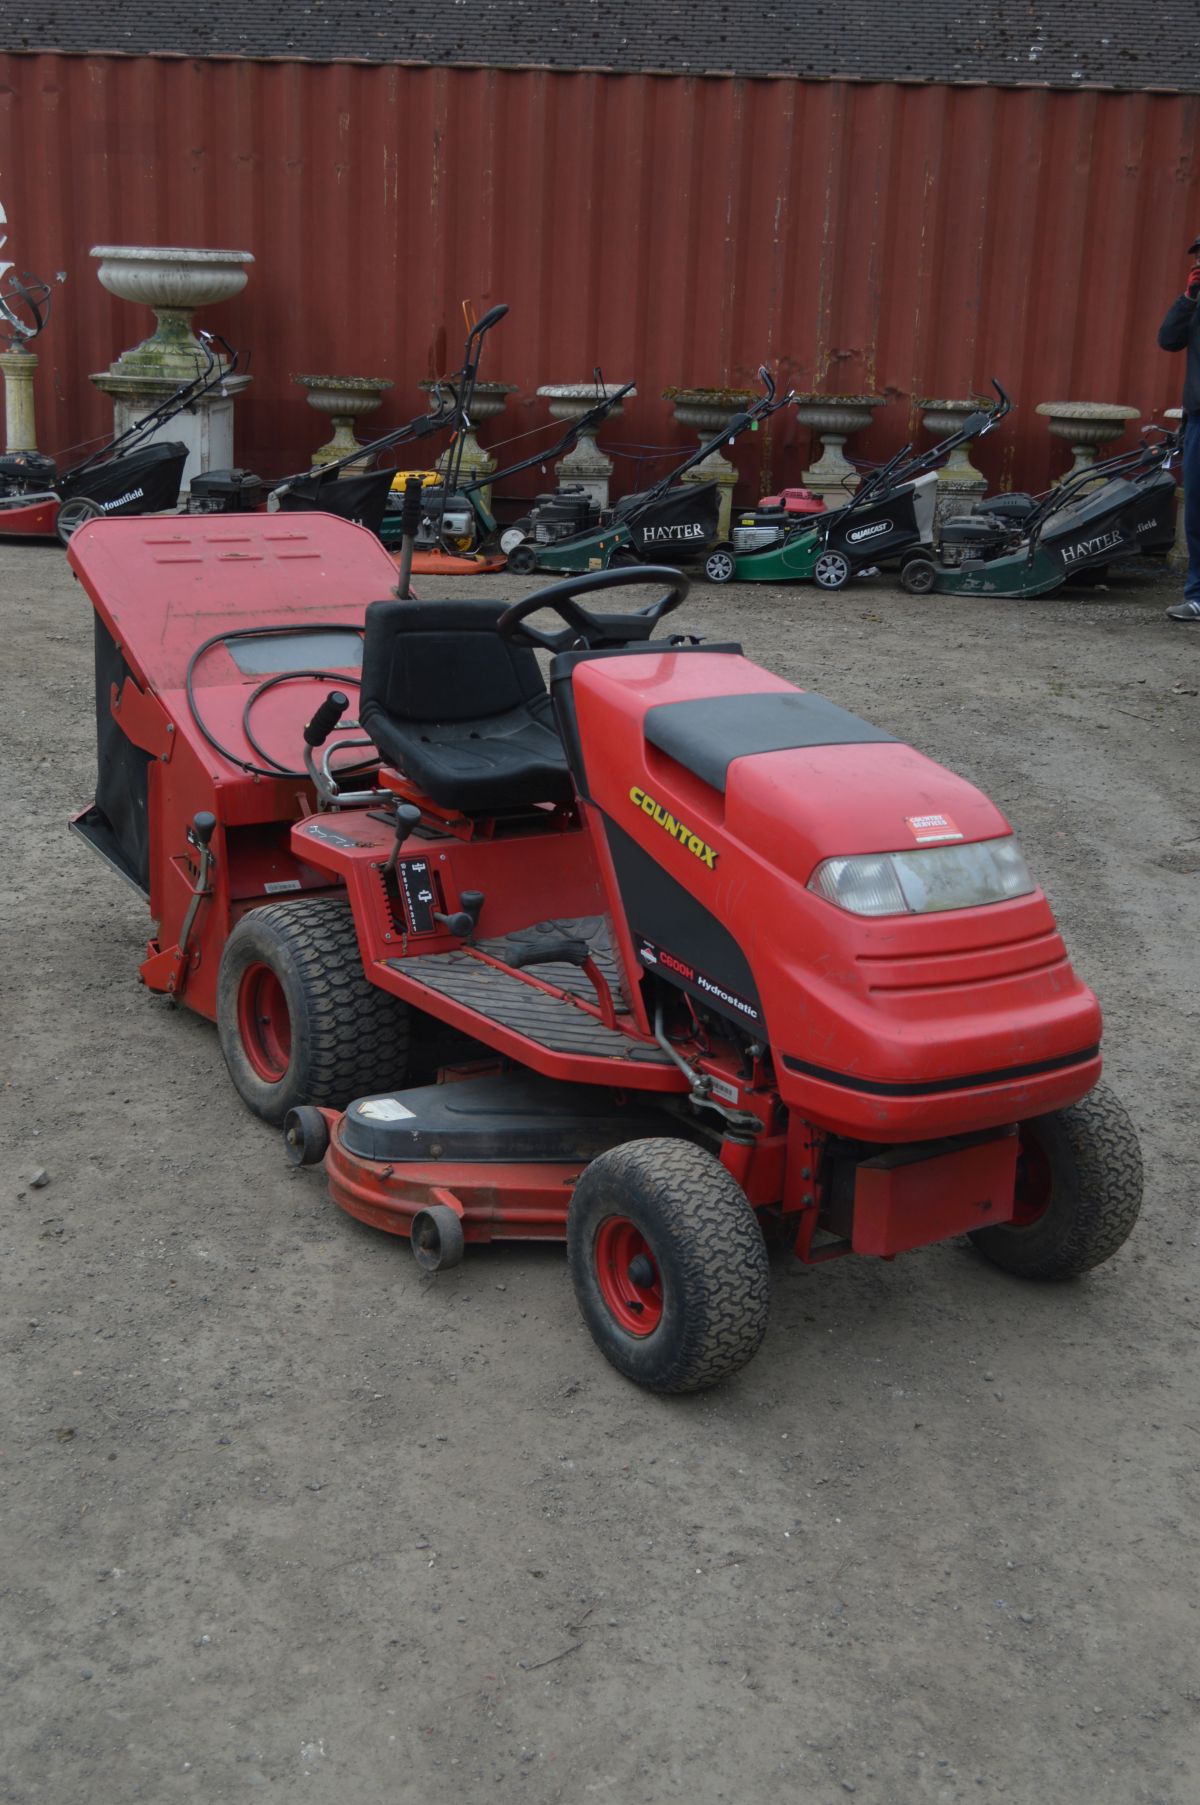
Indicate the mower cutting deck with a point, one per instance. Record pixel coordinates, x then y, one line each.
665 959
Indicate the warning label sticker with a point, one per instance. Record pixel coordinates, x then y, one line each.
926 829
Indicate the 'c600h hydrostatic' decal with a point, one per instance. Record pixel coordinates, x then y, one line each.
657 958
678 830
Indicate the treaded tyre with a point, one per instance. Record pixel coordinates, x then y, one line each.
298 1021
522 559
1079 1191
668 1264
918 576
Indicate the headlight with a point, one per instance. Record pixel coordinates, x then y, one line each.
925 880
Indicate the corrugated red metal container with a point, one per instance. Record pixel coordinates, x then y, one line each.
904 240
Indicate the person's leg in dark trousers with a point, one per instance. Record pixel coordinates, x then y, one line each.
1189 608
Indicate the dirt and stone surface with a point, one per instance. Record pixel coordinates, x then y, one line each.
282 1517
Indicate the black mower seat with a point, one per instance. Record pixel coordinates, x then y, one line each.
462 713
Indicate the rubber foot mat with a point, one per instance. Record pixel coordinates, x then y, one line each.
549 1020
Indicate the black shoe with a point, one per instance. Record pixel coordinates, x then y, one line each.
1184 611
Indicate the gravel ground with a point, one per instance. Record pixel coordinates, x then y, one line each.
281 1516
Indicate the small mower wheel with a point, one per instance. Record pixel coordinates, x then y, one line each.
305 1136
918 576
74 514
298 1020
831 571
522 559
668 1264
437 1238
1079 1191
719 564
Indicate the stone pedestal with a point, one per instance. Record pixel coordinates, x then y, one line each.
833 419
206 428
959 483
474 462
586 464
1177 557
343 400
174 281
1086 425
706 411
20 432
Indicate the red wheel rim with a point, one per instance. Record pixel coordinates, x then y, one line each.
634 1298
1034 1183
264 1024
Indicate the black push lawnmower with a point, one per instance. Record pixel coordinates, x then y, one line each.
667 959
455 520
133 473
673 518
890 519
363 497
1022 545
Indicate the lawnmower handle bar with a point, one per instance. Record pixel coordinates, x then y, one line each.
1142 456
566 442
607 630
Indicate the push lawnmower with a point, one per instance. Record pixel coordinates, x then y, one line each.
128 475
1006 548
456 523
365 496
672 517
890 519
667 959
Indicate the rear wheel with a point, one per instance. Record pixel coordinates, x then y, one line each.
719 565
831 570
918 575
75 513
522 559
1079 1191
668 1264
298 1020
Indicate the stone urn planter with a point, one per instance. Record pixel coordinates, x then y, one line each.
1086 425
491 399
959 483
833 419
175 281
706 411
586 464
343 399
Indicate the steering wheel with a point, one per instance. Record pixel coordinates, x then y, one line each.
584 627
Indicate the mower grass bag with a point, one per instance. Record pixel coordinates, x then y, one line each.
663 957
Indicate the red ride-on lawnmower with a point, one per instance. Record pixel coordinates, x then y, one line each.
670 959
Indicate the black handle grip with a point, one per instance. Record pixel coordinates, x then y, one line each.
568 951
203 827
318 730
491 318
410 514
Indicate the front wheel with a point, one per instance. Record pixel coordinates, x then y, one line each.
668 1264
831 570
299 1021
719 565
1079 1191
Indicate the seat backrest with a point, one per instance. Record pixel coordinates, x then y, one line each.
443 661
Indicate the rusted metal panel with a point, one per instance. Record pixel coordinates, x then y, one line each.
900 239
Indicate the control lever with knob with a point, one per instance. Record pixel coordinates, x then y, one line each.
330 712
463 922
408 819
